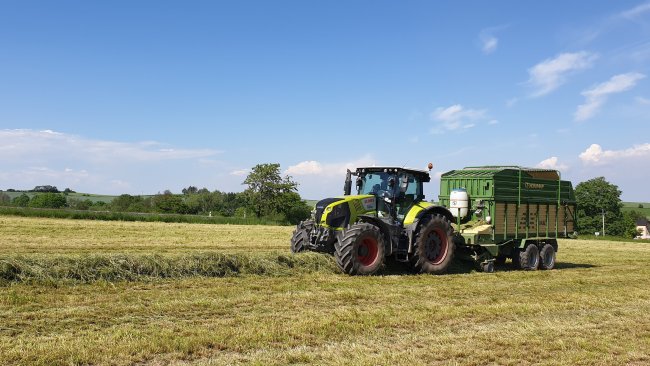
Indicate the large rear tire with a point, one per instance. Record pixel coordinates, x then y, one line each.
360 249
433 250
547 257
300 237
527 259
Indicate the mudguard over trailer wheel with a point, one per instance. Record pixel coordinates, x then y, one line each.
547 257
433 249
527 259
360 249
300 237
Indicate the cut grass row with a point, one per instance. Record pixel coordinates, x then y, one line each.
592 310
130 216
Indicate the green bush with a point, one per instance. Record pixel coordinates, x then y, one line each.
48 200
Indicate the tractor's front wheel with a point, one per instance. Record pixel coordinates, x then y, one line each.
360 249
300 237
433 250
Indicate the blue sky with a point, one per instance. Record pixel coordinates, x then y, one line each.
138 97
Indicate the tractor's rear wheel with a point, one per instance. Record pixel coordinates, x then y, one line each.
527 259
300 237
547 257
433 250
360 249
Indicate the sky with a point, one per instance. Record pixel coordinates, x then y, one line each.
138 97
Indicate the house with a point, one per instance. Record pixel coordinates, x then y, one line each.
643 227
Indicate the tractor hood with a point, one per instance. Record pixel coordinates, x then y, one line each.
338 212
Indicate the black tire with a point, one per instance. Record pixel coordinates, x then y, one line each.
547 257
433 249
300 237
500 261
360 249
527 259
487 267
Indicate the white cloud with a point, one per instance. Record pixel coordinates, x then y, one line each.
597 96
636 11
30 144
316 168
493 122
488 39
456 117
549 74
642 100
552 163
31 157
488 43
595 155
240 172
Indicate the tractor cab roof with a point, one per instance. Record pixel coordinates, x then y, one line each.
423 175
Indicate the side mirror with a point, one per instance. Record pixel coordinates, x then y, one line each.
404 185
359 182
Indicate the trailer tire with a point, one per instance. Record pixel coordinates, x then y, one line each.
527 259
547 257
300 237
360 249
433 248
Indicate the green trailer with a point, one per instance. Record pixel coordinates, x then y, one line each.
503 212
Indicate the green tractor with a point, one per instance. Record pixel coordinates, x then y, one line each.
388 217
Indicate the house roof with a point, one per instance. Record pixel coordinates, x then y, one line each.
642 222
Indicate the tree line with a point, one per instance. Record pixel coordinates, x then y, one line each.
268 196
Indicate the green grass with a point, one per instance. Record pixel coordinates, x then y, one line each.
592 310
634 206
77 195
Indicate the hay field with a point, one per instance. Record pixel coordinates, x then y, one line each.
592 310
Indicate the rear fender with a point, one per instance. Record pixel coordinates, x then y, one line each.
415 226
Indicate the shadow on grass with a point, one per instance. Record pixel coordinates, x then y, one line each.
459 266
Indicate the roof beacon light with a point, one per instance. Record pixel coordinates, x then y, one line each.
430 166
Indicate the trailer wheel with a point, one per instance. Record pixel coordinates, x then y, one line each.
547 257
433 249
300 237
527 259
360 249
487 267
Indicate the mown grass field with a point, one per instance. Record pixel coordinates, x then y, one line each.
592 310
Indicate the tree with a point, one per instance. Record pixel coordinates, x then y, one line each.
265 186
45 189
4 199
21 201
595 196
640 205
48 200
169 203
190 190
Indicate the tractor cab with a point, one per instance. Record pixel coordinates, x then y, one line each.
396 189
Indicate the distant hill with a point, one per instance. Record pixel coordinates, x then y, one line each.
634 206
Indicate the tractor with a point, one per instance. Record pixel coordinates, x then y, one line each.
387 217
